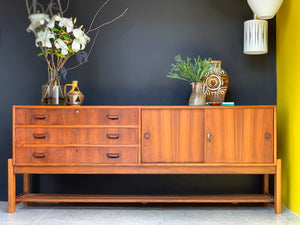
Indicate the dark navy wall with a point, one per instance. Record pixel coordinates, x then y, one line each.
128 67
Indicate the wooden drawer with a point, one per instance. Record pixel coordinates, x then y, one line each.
76 116
83 136
69 155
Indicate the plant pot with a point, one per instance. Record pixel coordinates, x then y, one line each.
198 95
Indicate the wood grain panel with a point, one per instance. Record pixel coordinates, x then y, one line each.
219 131
69 136
71 155
172 135
254 135
76 116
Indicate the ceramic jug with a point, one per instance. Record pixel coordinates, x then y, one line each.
198 96
74 96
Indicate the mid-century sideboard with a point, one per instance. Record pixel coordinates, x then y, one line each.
144 140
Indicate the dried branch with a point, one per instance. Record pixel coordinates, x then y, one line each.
27 7
111 21
67 7
49 8
60 8
41 7
34 4
98 11
91 48
93 43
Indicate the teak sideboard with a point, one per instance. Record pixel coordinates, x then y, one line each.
144 140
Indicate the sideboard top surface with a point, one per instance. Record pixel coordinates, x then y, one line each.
147 106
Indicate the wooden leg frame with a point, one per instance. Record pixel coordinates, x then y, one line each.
26 187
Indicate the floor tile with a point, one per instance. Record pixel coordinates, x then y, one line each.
151 214
24 215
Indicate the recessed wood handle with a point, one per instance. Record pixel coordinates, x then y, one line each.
113 136
39 136
113 117
39 155
40 117
267 136
147 136
113 155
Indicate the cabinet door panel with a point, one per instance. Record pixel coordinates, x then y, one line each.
172 135
255 135
219 130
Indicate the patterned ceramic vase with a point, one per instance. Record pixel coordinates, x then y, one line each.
217 83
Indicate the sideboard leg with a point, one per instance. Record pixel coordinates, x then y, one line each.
11 206
26 185
266 185
277 186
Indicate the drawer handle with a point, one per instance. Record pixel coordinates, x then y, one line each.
40 136
113 136
113 155
39 155
113 117
40 117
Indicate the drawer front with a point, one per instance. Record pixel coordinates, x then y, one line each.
69 136
73 116
69 155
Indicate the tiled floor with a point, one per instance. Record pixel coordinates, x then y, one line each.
137 214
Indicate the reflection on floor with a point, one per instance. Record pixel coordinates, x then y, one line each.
151 214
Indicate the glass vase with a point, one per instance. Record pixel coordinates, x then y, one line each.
52 91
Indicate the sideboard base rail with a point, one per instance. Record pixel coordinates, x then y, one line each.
76 198
26 196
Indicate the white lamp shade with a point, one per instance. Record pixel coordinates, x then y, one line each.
256 37
265 9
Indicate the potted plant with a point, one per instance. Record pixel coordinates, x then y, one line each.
192 72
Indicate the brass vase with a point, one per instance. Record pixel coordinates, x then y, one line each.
198 96
74 96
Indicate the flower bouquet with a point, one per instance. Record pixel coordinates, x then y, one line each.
59 38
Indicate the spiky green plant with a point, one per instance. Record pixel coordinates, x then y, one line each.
189 71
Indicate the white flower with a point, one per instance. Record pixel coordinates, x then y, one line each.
44 37
56 18
59 44
66 22
80 40
51 24
37 20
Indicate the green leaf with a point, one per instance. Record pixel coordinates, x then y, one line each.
40 54
188 70
70 49
65 36
55 29
59 55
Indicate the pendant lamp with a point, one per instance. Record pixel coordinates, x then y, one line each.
256 37
265 9
256 30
